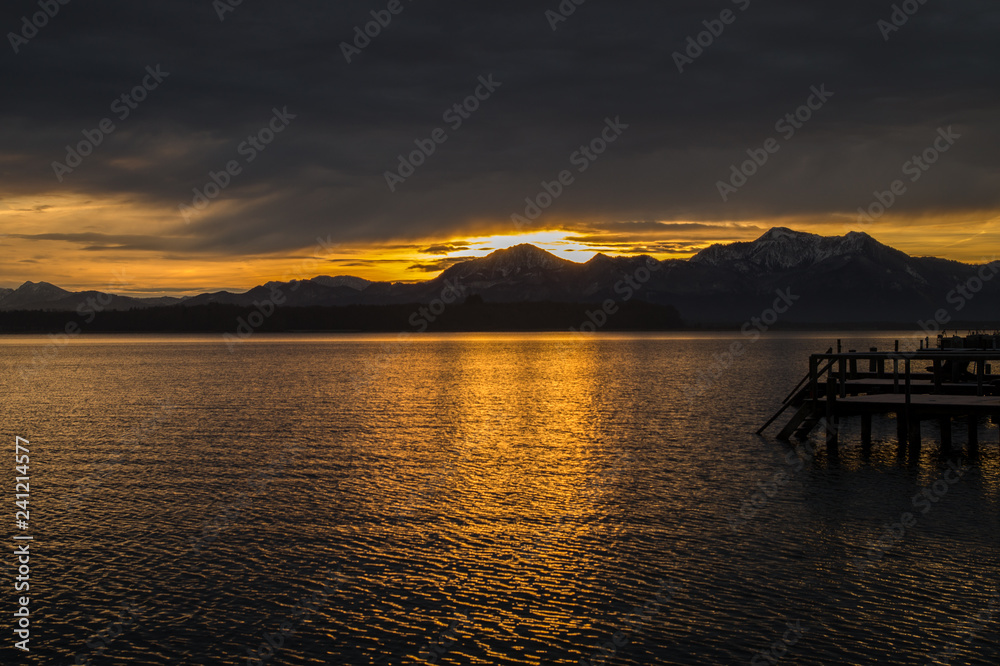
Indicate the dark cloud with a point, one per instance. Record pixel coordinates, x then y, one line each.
446 248
437 266
97 241
323 175
364 263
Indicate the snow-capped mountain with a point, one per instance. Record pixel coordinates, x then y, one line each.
782 249
30 294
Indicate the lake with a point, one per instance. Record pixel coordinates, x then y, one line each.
479 499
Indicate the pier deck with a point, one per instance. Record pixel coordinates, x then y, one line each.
928 405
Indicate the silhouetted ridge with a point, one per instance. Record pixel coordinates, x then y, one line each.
834 279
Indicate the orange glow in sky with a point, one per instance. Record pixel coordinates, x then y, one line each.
81 243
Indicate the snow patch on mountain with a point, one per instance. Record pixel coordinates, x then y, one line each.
782 249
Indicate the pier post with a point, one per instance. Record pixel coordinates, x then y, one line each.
915 443
813 379
973 436
907 384
901 433
945 424
866 434
832 420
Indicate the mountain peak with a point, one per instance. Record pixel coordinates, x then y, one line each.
599 259
783 233
31 294
38 288
524 255
521 250
516 261
356 283
860 239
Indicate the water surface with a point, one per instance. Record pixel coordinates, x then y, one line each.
508 499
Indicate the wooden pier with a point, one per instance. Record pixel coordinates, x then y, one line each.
945 385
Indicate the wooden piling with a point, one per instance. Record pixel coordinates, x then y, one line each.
831 416
944 423
901 433
866 434
908 384
813 378
913 427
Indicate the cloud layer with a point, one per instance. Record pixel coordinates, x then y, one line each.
324 175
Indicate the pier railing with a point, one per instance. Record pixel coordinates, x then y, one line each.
902 372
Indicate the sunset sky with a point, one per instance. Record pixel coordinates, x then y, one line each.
655 189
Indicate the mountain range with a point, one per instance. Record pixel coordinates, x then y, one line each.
850 279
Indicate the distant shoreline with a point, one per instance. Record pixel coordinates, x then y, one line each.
527 317
241 322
